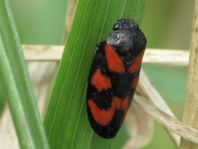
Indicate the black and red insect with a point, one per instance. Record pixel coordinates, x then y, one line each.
113 77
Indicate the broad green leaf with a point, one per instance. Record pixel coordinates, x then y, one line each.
17 85
66 122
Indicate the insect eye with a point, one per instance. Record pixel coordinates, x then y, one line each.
116 26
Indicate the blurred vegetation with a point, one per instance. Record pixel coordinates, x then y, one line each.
40 21
167 24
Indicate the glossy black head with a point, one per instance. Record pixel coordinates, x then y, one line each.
126 36
124 24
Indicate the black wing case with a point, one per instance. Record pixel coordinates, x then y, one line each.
109 95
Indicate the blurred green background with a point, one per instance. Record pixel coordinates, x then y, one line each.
167 24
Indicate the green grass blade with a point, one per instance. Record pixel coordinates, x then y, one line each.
17 85
66 121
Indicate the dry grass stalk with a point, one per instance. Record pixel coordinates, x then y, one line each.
190 115
146 89
140 127
159 56
42 52
166 56
152 103
41 74
169 122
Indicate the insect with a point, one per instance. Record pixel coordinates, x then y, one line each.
113 77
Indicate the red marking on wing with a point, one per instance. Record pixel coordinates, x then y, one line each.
136 64
113 61
100 81
104 117
135 82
